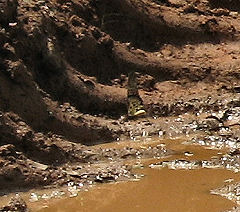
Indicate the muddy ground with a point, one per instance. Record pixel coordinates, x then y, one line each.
63 77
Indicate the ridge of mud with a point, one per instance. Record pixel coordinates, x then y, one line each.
63 68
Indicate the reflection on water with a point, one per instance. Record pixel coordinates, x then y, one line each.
160 190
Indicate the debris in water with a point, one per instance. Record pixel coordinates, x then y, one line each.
216 142
160 133
34 197
229 180
188 153
231 192
138 166
177 164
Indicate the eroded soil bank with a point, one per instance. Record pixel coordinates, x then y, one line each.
63 76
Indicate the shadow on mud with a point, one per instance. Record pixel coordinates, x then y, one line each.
228 4
125 23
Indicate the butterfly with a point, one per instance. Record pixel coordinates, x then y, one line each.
135 103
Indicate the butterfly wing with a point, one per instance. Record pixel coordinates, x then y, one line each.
135 103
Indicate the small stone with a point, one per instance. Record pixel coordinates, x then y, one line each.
233 14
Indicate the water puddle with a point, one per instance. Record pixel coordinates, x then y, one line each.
176 183
165 190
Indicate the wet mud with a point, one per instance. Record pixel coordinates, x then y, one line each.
184 181
64 69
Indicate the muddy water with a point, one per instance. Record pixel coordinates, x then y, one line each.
160 189
166 191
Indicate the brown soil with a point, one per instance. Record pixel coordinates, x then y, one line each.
63 76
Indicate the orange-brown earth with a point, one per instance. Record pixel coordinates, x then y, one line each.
63 76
